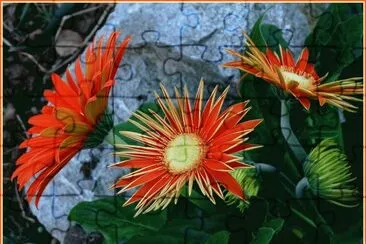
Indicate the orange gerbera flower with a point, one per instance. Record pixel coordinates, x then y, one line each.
299 78
74 118
187 145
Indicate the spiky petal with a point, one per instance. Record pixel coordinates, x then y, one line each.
190 143
328 174
296 77
75 108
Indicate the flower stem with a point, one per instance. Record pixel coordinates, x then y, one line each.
322 223
265 168
301 187
303 217
289 135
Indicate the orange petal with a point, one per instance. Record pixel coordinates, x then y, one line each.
44 120
217 165
120 54
71 82
322 100
290 59
143 179
79 71
274 60
38 186
63 90
135 163
41 142
228 181
237 164
302 60
304 102
140 193
243 147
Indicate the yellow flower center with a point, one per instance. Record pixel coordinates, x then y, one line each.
303 80
183 153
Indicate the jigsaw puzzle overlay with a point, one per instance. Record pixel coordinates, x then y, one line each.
295 191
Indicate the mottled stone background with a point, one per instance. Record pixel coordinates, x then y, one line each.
175 44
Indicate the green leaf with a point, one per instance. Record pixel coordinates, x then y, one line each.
275 224
267 35
199 200
337 39
175 231
128 126
221 237
125 126
322 122
151 106
263 236
256 33
273 36
268 230
353 234
114 221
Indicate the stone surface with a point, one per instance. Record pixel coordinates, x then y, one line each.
173 44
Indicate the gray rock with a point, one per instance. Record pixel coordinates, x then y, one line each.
173 44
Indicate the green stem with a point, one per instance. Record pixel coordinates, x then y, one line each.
262 167
341 121
301 187
303 217
288 180
289 135
323 223
300 154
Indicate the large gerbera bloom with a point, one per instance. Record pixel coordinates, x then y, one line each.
188 144
298 78
74 118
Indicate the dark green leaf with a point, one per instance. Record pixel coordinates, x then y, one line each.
263 236
199 200
352 235
337 39
114 221
256 34
268 230
125 126
273 36
175 231
221 237
275 224
128 126
322 122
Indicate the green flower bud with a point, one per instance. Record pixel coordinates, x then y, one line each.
250 183
328 174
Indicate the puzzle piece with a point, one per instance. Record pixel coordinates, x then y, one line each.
179 44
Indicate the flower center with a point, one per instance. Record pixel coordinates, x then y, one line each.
303 80
183 153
